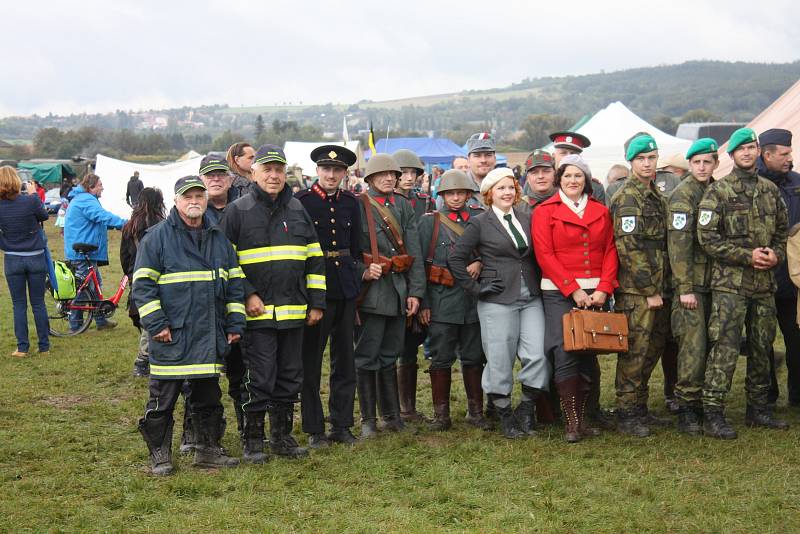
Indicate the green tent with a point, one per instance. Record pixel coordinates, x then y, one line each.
48 173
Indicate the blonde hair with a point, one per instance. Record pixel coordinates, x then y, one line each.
487 196
10 184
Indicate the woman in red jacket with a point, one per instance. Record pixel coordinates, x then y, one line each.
573 239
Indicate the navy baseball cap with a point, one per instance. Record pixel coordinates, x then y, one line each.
270 153
213 163
189 182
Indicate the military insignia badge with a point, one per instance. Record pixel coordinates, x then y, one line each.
679 221
332 154
705 217
628 224
662 186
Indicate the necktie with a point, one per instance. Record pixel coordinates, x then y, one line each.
517 236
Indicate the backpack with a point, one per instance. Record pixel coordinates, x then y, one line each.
65 281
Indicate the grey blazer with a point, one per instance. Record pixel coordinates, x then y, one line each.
486 234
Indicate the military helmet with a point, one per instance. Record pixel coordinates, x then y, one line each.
382 163
455 179
406 158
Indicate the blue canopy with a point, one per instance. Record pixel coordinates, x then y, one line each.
431 150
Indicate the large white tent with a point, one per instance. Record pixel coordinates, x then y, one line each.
299 153
115 173
609 128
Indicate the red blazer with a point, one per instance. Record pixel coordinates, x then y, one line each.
568 247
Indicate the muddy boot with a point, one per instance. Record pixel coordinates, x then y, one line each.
715 425
440 391
208 451
651 420
525 413
367 383
407 392
157 434
281 441
388 399
188 438
141 366
568 395
508 422
689 420
472 386
629 422
254 438
763 418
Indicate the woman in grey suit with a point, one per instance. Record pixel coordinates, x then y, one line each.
509 300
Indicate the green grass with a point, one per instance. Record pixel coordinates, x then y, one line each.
72 460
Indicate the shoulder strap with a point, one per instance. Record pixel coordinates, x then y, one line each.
434 238
455 228
391 223
373 238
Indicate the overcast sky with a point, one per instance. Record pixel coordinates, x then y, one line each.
97 56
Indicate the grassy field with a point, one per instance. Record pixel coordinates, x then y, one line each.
72 460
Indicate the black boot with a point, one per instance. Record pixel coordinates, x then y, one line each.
764 418
525 413
389 400
508 422
188 438
715 425
367 383
472 386
208 450
341 435
650 420
141 366
689 420
237 408
630 422
157 434
440 393
281 441
254 438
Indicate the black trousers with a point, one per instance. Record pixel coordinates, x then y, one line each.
204 395
234 370
337 323
787 322
273 367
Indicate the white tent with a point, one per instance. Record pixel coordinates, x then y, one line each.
115 174
299 153
608 130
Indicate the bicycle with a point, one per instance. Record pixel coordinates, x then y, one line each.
88 299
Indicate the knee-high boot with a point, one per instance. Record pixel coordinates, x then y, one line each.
440 392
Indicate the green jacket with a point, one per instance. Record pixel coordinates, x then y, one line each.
639 213
739 213
387 295
450 305
690 267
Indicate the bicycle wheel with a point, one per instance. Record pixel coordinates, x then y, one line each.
58 313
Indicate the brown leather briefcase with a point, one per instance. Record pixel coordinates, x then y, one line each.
597 332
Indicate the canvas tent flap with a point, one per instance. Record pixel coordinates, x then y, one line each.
48 173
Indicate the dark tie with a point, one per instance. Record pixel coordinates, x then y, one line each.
517 236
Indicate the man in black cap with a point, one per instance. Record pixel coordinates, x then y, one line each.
284 285
775 164
566 143
337 220
215 173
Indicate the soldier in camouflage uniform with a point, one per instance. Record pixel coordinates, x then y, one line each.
639 214
691 279
742 226
451 312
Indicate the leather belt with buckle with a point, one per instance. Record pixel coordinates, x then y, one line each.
337 253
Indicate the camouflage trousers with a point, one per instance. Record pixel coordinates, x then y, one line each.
690 327
647 334
730 313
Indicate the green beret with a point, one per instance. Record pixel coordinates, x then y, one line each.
704 145
740 137
639 144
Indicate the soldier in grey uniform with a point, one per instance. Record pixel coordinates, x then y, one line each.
742 226
482 158
449 311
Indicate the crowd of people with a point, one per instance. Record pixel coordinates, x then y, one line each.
246 276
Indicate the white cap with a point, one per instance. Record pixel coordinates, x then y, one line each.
495 176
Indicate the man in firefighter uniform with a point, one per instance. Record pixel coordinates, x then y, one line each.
280 255
188 287
394 279
451 313
337 220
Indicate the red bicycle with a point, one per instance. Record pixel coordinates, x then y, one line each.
88 299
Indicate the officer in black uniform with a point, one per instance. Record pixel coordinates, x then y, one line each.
337 220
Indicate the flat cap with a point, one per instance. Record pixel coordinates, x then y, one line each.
494 176
775 136
481 142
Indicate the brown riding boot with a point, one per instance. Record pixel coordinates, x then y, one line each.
407 389
472 386
440 391
584 426
568 392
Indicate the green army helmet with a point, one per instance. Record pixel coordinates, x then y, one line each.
453 180
406 158
382 163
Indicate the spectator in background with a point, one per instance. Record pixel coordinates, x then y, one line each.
22 241
240 158
87 222
39 190
134 189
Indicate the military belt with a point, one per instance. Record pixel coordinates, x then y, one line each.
337 253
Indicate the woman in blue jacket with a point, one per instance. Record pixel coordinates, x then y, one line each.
87 222
22 241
